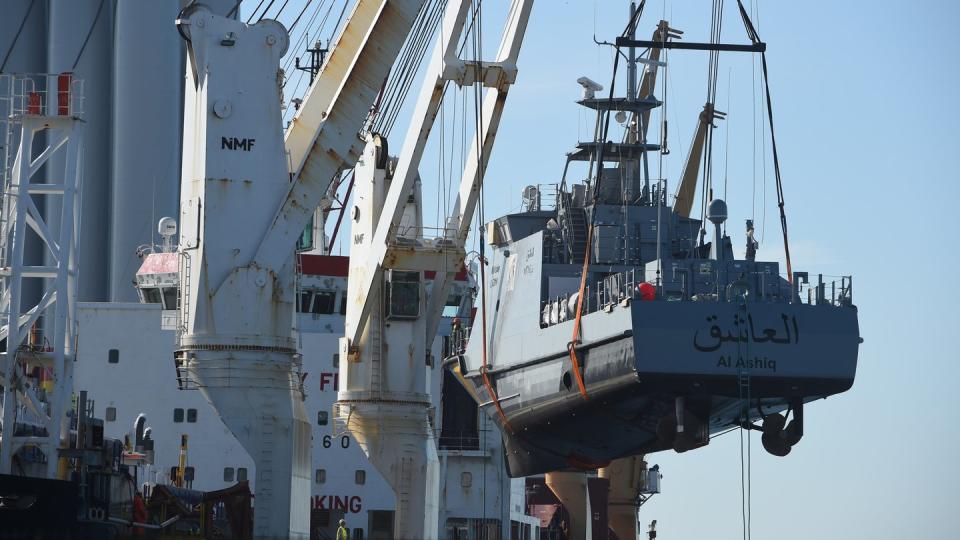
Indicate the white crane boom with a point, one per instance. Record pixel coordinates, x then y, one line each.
240 217
445 66
323 138
385 357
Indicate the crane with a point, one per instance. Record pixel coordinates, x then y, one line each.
241 210
384 397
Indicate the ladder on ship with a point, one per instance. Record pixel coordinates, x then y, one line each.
575 228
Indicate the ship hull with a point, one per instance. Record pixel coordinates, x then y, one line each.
718 356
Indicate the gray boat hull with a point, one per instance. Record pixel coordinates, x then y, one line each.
718 356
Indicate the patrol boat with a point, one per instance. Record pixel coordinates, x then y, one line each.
608 326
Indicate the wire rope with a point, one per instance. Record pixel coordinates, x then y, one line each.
340 19
726 144
478 127
254 12
753 106
279 11
16 37
86 40
414 51
302 11
304 36
754 37
265 10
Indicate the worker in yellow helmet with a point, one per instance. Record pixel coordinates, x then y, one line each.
343 533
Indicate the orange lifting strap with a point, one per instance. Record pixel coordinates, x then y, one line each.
483 347
572 346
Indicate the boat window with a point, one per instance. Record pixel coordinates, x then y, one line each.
360 477
358 534
113 356
343 303
321 476
403 295
178 415
305 297
228 474
188 476
170 298
241 474
111 414
323 417
192 416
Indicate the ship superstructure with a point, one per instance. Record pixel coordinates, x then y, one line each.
133 343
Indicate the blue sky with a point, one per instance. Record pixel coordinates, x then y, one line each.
866 119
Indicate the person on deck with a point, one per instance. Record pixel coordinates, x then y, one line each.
456 335
343 533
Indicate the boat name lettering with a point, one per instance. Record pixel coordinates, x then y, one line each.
233 143
531 252
746 332
747 363
352 504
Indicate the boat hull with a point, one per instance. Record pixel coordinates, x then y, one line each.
642 356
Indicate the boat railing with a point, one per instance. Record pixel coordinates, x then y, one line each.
828 290
539 197
724 286
466 440
424 237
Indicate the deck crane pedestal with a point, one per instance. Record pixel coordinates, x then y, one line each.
242 209
384 397
43 118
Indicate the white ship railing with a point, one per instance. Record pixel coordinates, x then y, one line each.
835 291
41 94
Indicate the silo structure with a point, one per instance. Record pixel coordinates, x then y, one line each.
87 25
148 68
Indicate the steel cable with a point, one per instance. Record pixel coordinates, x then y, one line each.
86 40
16 37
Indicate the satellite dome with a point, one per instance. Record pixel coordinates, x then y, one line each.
167 226
717 211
